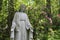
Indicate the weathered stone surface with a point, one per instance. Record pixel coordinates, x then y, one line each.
22 27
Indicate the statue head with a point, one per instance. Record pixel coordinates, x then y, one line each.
22 8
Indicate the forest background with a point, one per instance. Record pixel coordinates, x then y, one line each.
44 16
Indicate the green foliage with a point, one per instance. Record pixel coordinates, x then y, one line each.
43 29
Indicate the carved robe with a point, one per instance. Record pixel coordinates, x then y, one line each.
22 27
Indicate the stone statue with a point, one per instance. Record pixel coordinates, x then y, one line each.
21 28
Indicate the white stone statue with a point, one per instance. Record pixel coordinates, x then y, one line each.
22 27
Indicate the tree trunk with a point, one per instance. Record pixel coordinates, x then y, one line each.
49 16
48 6
59 7
1 1
10 14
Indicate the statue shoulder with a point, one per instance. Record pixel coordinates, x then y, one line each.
25 14
17 13
21 13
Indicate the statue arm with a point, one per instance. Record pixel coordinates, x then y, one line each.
29 26
13 27
14 22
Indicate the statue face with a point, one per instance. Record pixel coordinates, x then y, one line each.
23 7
